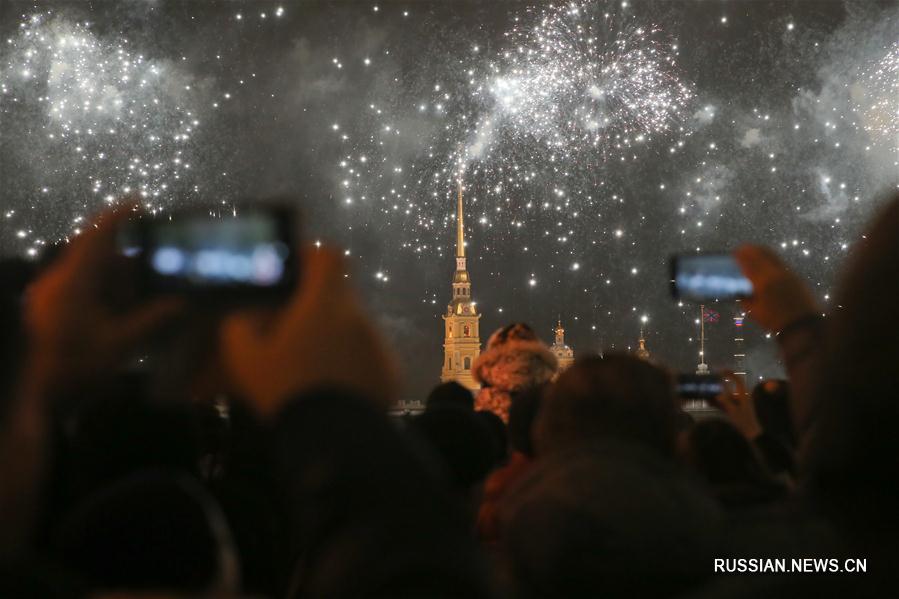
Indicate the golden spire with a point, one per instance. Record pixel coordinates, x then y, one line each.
460 229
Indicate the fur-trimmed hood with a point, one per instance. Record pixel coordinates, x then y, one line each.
514 365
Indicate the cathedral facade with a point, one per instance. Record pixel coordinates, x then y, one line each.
462 342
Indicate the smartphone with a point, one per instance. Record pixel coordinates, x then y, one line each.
246 254
708 277
698 386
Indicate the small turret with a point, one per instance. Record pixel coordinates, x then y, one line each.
564 354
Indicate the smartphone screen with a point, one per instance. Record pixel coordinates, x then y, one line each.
707 277
698 386
252 252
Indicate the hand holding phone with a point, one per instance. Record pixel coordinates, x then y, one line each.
78 328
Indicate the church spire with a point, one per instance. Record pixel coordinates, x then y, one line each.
460 227
461 344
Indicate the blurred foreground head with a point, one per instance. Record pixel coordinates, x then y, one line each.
462 440
853 449
609 520
151 532
450 393
616 396
14 277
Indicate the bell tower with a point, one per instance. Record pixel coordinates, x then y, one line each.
462 343
564 354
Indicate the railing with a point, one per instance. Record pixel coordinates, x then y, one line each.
407 407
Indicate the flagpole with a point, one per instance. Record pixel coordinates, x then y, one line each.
702 368
702 333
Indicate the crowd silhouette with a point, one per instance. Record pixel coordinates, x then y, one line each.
251 453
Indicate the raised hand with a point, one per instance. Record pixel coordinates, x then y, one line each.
736 402
75 331
780 297
321 338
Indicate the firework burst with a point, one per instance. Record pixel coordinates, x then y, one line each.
881 109
111 121
580 83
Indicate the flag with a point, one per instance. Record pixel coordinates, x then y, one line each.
738 321
710 316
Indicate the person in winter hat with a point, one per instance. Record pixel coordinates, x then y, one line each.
514 361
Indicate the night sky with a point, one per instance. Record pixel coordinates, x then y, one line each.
594 140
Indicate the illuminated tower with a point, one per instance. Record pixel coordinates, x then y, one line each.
563 353
461 343
739 352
